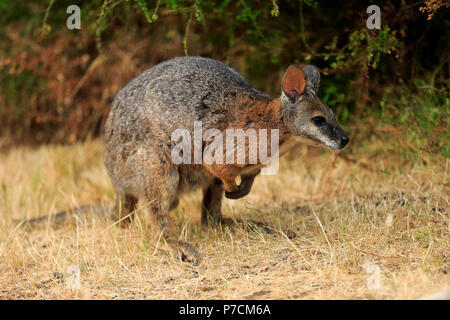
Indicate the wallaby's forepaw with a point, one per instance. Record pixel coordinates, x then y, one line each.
235 195
186 252
243 189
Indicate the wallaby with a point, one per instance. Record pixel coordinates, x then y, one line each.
178 92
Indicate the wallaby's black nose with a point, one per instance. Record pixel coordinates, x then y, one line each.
344 141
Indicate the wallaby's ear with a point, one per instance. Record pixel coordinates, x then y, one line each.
294 82
312 77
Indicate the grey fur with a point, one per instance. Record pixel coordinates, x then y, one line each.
312 77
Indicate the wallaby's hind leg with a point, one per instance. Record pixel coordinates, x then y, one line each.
161 194
125 207
212 203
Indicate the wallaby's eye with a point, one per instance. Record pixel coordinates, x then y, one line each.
318 121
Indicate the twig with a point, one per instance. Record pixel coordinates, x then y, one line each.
445 173
186 32
302 35
258 30
97 61
116 222
157 242
375 254
323 231
44 21
128 215
295 247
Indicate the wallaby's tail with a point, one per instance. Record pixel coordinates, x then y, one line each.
81 212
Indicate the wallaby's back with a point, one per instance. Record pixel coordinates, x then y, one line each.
180 91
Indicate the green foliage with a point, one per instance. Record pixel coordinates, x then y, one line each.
366 45
275 12
151 17
420 117
143 5
11 84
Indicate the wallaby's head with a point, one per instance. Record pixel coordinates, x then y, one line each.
307 116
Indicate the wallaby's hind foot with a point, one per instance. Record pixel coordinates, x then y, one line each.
184 251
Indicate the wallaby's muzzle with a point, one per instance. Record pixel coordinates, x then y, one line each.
344 141
330 134
339 142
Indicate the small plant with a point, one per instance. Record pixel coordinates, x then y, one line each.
366 46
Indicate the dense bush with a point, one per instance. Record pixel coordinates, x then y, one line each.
57 84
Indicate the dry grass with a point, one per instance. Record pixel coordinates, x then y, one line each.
348 216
